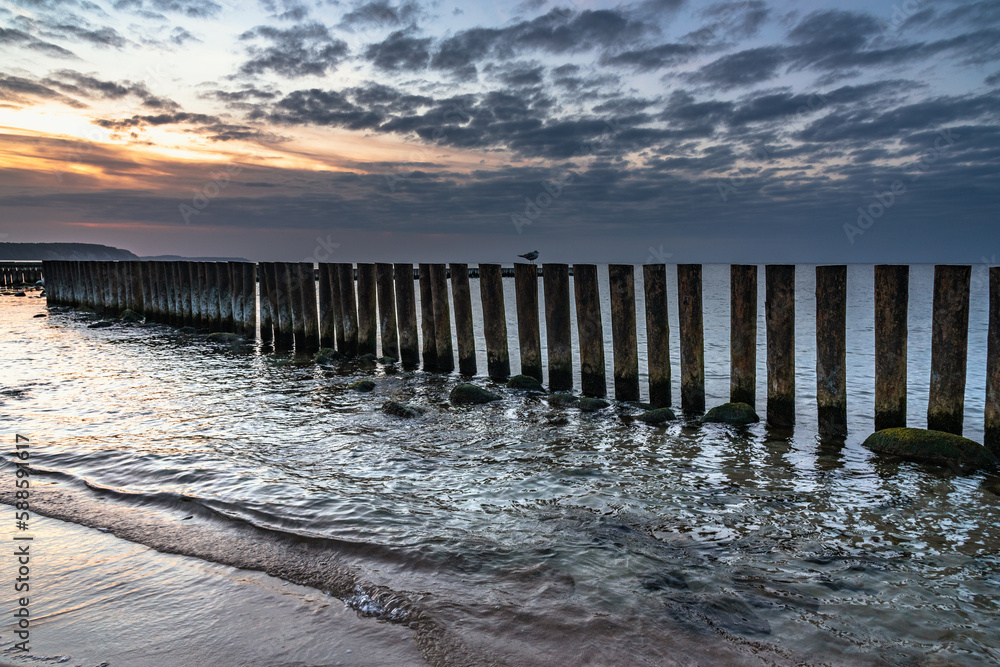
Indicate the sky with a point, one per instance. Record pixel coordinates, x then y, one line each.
376 130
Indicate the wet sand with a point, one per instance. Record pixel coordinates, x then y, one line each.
97 599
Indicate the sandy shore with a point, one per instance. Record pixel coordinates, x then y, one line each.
99 600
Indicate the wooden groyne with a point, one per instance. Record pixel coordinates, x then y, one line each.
13 273
371 309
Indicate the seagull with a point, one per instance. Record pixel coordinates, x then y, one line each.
530 256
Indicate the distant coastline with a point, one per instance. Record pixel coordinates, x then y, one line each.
88 251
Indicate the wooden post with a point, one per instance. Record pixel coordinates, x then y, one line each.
558 335
306 280
296 304
621 278
743 334
109 287
187 287
236 288
462 297
891 298
949 347
250 299
348 309
387 310
196 292
327 316
338 309
991 438
225 296
593 381
173 295
831 349
285 335
654 279
526 298
148 292
266 307
779 312
442 318
692 336
494 322
120 280
203 293
427 333
367 313
406 316
162 296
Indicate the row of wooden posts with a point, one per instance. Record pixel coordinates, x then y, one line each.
306 307
220 296
20 273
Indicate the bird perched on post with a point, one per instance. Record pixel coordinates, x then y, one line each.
530 256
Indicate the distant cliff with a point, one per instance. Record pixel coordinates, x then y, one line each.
39 251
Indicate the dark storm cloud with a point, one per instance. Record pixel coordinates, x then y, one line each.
88 86
211 127
654 57
305 49
744 68
323 107
558 31
20 39
149 8
862 124
382 13
728 21
25 92
286 10
399 51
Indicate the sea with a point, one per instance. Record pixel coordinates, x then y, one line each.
513 533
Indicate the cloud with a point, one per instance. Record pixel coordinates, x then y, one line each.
399 52
653 57
744 68
24 92
149 8
20 39
88 86
286 10
381 14
558 31
305 49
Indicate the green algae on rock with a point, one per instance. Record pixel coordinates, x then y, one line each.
467 394
927 446
731 413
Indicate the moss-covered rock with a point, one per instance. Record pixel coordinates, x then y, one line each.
657 416
386 361
327 355
405 410
190 330
563 399
588 404
926 446
525 382
223 337
361 385
129 315
102 324
731 413
368 357
466 394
